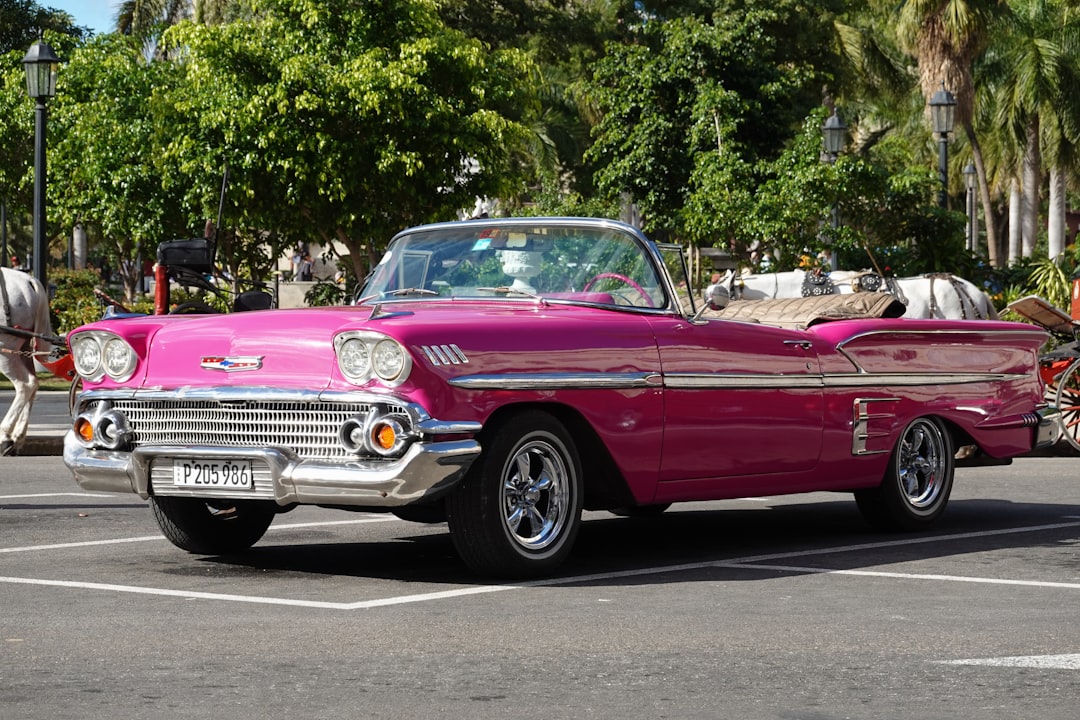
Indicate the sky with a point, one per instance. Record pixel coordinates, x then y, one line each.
98 15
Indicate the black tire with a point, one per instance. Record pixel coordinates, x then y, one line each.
215 527
640 511
917 482
1067 400
518 511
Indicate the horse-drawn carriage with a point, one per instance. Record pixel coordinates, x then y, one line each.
1059 367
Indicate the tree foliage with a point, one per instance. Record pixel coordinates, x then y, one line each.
340 123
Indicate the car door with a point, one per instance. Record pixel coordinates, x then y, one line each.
740 399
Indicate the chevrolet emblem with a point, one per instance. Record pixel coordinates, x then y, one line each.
235 363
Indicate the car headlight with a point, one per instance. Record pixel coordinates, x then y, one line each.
388 360
98 353
354 358
86 352
118 359
363 355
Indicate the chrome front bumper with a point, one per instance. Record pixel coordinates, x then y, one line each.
426 471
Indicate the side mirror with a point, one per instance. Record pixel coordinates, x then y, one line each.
717 297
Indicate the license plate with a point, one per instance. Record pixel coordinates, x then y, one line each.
220 474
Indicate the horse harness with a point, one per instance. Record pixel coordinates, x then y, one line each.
961 293
815 282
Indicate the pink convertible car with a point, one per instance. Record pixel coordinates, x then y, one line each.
503 375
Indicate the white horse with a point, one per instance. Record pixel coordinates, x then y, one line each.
938 295
24 332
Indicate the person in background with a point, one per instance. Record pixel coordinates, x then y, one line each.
306 267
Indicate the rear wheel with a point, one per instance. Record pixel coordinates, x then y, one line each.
918 480
518 511
212 527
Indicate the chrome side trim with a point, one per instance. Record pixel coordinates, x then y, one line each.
702 381
860 429
909 379
962 331
444 354
760 381
715 381
556 381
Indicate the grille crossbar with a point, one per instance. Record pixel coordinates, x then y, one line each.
310 430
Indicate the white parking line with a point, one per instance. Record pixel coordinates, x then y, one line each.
903 576
749 562
147 538
1051 662
66 494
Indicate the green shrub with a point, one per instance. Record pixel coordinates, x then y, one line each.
74 302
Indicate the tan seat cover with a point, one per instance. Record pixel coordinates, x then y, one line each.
802 312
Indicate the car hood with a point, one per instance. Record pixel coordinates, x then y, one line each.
294 349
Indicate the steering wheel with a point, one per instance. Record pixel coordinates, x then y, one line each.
193 307
623 279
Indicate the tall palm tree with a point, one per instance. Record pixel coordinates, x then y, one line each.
1035 78
945 37
141 17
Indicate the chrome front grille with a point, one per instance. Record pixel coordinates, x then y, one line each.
308 429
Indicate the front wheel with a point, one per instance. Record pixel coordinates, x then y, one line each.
212 527
518 510
918 480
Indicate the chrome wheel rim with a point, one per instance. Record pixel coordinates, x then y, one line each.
535 495
921 464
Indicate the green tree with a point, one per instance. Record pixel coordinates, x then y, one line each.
24 21
751 70
107 139
1034 79
340 123
946 37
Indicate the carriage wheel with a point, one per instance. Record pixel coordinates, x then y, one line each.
1067 400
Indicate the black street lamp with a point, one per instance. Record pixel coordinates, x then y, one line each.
942 113
40 64
972 227
833 136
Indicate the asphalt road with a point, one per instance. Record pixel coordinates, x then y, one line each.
761 608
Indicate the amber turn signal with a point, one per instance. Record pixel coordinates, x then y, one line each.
84 429
385 436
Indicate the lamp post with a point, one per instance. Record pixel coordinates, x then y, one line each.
973 221
942 113
833 135
40 64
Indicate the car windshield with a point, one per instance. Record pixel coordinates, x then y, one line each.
590 264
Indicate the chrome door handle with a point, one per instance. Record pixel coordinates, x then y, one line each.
804 344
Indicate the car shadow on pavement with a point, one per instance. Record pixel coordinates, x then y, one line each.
681 544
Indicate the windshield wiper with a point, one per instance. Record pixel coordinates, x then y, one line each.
504 290
404 292
393 293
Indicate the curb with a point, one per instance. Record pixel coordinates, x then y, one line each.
43 440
